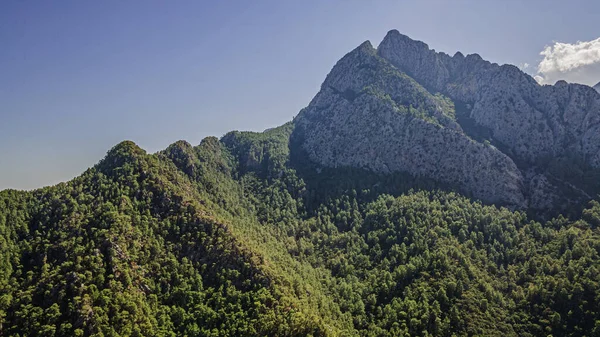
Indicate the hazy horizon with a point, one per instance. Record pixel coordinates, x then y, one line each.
79 77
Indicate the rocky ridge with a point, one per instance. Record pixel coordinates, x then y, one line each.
489 130
532 121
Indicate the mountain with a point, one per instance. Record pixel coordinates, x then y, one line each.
368 114
597 87
489 130
378 211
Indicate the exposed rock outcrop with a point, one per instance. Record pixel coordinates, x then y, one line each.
369 115
532 121
404 107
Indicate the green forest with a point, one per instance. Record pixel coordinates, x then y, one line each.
244 236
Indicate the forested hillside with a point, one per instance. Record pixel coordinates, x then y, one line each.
244 236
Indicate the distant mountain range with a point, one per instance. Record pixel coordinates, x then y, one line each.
378 211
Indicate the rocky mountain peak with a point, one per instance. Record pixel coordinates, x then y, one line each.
414 58
503 99
371 115
490 130
366 47
394 37
597 87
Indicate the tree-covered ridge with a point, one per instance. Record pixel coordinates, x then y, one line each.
127 249
244 236
393 258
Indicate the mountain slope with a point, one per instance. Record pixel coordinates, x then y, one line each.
128 249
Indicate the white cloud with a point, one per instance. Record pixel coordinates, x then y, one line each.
578 62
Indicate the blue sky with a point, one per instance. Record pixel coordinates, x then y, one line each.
77 77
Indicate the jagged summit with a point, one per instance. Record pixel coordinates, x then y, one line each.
366 46
395 35
369 114
597 87
489 129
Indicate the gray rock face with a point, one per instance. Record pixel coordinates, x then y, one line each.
399 108
532 121
597 87
358 119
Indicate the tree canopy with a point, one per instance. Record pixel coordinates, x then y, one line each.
243 236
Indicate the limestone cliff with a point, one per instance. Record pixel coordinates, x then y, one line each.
370 115
532 121
489 130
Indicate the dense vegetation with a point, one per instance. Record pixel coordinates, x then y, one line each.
245 237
